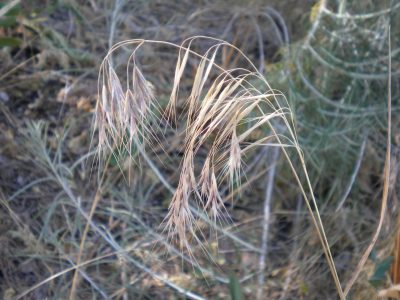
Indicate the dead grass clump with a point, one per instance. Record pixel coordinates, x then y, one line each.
221 110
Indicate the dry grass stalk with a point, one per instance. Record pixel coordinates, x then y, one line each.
222 112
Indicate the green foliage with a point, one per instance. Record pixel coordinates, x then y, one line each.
338 87
16 10
235 288
7 21
382 267
9 42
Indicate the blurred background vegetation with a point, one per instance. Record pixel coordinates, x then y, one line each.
331 61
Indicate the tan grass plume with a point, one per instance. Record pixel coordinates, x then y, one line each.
222 110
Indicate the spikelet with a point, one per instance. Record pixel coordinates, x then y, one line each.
218 105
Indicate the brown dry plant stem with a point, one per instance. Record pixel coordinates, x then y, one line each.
75 279
386 182
222 110
96 199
